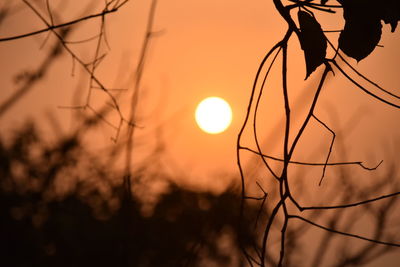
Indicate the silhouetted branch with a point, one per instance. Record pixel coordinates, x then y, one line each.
311 110
320 7
267 231
256 112
51 27
330 147
135 95
238 142
343 233
264 198
352 204
361 87
359 163
90 71
359 73
313 43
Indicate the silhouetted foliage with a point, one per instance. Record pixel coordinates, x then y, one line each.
40 227
61 205
281 226
312 40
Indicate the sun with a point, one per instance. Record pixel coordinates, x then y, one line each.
213 115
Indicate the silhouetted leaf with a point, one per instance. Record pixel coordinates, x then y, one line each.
323 2
363 28
391 13
312 40
359 38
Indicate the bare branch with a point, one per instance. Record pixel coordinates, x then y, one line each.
85 66
238 141
33 78
256 112
330 147
352 204
135 95
359 73
361 87
359 163
343 233
51 27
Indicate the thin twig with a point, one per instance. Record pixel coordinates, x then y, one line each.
256 112
238 141
135 95
53 27
330 147
351 204
359 163
359 73
343 233
361 87
85 66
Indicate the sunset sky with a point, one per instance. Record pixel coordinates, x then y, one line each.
200 49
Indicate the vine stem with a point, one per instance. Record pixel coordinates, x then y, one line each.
135 96
238 143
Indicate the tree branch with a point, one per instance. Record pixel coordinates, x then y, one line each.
51 27
343 233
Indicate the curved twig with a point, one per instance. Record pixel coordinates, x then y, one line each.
359 163
330 147
343 233
361 87
256 112
359 73
351 204
51 27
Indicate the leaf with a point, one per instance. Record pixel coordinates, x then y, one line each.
363 28
323 2
391 13
312 41
359 38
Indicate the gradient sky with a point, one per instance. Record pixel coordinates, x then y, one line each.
203 48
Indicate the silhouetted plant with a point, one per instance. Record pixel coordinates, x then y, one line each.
53 213
361 34
62 205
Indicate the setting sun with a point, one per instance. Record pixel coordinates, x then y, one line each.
213 115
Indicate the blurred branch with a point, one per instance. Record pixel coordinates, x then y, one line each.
86 66
51 27
135 95
34 77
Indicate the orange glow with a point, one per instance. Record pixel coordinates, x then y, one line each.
213 115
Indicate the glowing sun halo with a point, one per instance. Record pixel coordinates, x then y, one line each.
213 115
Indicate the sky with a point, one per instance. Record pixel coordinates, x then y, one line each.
198 52
201 49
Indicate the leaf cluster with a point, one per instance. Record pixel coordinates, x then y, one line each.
363 27
361 33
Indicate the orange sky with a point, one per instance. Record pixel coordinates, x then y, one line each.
205 48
